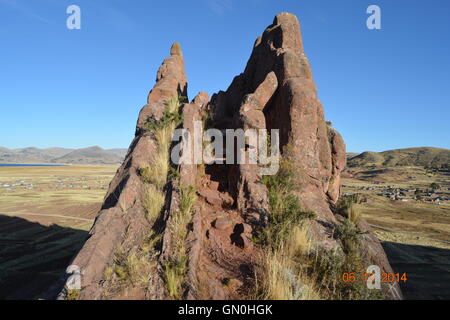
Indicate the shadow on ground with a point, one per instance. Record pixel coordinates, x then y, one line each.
427 268
33 257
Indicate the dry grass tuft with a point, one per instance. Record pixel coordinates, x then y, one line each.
187 199
275 284
347 207
156 173
175 270
281 279
153 201
108 273
354 214
181 218
73 294
173 276
135 267
140 268
151 241
298 242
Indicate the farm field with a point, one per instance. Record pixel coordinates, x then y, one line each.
46 213
414 233
45 216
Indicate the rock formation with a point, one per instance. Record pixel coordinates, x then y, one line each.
214 256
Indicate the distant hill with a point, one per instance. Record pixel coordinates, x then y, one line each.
91 155
351 155
118 152
425 156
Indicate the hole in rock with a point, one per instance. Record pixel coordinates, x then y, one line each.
236 236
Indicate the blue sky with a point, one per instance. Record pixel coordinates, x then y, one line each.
382 89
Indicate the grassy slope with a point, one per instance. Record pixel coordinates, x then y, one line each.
403 157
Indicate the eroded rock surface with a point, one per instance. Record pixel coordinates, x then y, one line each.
122 221
275 91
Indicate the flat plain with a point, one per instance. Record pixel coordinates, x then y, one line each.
414 233
46 213
45 216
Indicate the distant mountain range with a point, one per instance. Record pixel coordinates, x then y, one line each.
91 155
426 156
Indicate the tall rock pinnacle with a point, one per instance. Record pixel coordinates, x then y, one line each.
122 212
201 241
170 80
